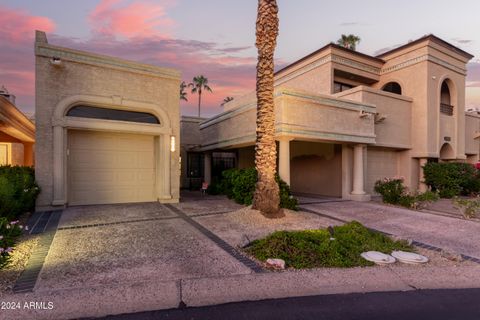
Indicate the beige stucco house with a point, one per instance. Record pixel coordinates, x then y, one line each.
107 129
17 133
346 119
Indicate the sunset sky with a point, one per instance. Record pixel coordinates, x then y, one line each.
216 37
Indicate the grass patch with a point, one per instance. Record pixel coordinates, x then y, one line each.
314 249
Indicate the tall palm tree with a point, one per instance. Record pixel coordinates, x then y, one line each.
266 197
199 84
183 94
226 100
349 42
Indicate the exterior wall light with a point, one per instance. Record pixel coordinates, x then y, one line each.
172 143
56 61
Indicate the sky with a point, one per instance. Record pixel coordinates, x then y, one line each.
215 38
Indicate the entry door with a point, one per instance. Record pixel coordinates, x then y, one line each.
108 168
3 154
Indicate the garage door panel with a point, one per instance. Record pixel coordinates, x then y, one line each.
110 168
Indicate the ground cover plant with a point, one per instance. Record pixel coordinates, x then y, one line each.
470 208
239 185
9 231
315 248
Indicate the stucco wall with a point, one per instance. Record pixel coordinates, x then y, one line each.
316 168
381 163
246 157
83 73
472 127
17 155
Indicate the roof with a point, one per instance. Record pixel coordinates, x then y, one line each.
336 46
432 38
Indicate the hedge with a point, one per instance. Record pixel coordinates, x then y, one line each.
452 178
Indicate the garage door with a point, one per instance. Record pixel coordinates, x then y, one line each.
110 168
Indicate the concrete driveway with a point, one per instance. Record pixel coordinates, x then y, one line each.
111 244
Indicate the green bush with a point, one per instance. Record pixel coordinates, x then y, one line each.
9 231
391 190
315 248
18 191
239 185
452 178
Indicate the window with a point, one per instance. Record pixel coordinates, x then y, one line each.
195 165
339 87
392 87
222 161
112 114
445 100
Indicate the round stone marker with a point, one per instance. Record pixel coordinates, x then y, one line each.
378 257
409 257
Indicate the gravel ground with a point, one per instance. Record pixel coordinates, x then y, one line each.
19 258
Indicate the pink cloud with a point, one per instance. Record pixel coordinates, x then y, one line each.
16 54
130 19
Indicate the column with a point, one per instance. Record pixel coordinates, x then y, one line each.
284 159
166 155
58 166
207 170
28 154
422 187
358 192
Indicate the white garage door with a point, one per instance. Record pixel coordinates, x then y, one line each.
110 168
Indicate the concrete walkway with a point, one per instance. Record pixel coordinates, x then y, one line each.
460 236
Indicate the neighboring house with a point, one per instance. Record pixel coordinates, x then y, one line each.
107 129
346 119
17 133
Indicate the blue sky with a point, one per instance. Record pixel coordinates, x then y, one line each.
216 37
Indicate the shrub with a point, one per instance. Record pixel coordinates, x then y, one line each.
239 185
18 191
314 248
9 231
391 190
451 178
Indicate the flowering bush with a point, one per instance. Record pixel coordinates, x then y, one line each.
18 191
9 231
393 191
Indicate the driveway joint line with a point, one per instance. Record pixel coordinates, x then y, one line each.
217 240
27 280
93 225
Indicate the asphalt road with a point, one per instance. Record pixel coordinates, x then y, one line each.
461 304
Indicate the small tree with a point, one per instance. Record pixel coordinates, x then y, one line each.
349 42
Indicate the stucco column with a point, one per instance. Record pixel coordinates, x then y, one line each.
422 187
358 192
164 170
28 154
284 159
59 198
207 168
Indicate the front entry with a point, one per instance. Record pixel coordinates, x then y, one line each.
108 168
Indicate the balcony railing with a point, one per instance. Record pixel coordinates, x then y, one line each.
446 109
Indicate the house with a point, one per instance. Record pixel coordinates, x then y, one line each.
17 133
345 119
107 129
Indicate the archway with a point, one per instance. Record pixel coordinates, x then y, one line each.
447 152
393 87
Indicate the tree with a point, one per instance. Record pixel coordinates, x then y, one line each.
199 84
349 42
266 197
183 94
226 100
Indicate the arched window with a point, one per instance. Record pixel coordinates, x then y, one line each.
112 114
445 100
392 87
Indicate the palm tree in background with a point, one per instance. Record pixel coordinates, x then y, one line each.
198 85
349 42
226 100
266 197
183 94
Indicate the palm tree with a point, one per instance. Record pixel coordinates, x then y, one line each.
226 100
183 94
199 84
266 197
349 42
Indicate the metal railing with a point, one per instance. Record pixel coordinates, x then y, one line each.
446 109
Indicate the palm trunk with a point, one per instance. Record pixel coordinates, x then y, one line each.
199 101
266 197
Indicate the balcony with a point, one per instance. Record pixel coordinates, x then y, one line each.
446 109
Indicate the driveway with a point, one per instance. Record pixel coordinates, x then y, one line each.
460 236
111 244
